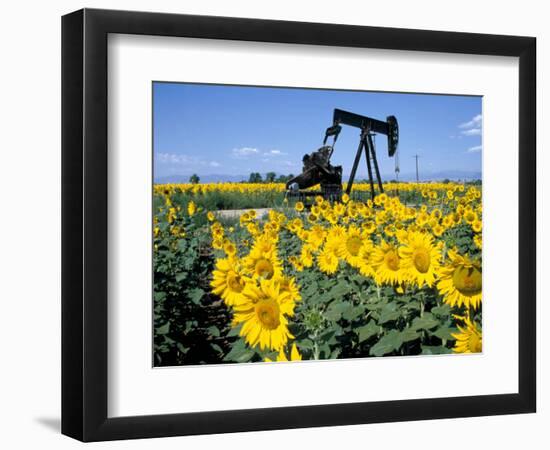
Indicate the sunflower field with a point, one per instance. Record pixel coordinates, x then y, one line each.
400 275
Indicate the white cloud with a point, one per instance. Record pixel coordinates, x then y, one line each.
174 158
474 123
245 152
472 127
472 132
475 149
181 161
274 153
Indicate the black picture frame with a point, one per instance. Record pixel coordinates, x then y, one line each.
84 224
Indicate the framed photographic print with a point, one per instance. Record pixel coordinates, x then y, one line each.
273 224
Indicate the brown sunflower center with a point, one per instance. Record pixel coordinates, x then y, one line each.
267 311
467 281
264 268
235 282
353 244
421 260
392 260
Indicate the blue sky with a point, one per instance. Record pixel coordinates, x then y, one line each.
235 130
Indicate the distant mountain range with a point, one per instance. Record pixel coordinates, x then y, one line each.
433 176
213 178
437 176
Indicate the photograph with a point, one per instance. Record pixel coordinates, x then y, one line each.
294 224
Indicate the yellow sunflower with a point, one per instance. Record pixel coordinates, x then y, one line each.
296 263
327 259
469 340
478 240
229 247
288 284
470 216
365 257
306 256
386 263
350 245
263 264
316 236
263 312
265 244
420 259
191 208
228 280
477 225
460 281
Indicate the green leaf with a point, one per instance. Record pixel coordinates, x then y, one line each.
388 312
159 296
305 344
367 331
327 335
340 290
336 309
182 348
181 276
441 311
445 333
213 331
388 316
387 343
310 291
353 313
164 329
239 353
435 350
216 348
235 331
196 295
408 335
424 323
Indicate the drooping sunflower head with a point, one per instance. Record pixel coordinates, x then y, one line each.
460 281
469 339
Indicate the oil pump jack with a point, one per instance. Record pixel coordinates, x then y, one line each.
317 168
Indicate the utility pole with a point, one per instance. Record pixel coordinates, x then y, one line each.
416 157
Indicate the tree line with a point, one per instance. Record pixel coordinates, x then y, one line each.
254 177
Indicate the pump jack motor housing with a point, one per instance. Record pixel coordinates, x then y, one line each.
316 165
